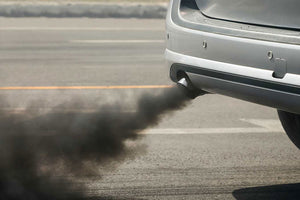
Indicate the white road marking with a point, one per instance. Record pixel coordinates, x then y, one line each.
77 29
261 126
116 41
273 125
203 131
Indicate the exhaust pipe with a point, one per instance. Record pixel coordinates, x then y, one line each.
188 89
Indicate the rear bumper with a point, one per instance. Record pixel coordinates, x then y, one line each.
274 94
235 66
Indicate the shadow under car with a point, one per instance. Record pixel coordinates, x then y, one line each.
274 192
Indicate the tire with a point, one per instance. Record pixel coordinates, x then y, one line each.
291 125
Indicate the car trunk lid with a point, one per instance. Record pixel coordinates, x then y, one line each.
274 13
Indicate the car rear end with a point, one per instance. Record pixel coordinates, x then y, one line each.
244 49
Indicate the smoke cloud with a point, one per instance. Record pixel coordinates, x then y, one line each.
42 155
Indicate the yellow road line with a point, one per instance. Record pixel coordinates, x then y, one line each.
116 41
85 87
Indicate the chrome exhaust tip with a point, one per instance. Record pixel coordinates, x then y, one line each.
188 89
183 82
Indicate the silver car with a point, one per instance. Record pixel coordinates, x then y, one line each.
247 49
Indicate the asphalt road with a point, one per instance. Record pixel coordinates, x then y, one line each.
216 148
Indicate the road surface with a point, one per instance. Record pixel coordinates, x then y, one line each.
216 148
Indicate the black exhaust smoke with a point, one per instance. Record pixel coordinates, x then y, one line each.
42 155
